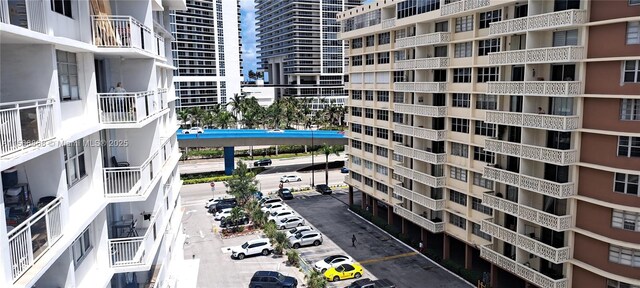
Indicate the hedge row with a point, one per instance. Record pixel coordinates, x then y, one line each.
206 180
219 153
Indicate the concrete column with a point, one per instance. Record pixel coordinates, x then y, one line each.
350 194
468 256
423 237
404 226
494 276
228 160
390 215
276 150
305 148
363 203
374 206
445 249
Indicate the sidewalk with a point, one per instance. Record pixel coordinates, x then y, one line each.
189 273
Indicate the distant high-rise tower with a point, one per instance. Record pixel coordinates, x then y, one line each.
206 51
299 48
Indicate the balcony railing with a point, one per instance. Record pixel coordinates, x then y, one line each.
27 14
538 55
419 132
424 39
425 156
541 88
546 187
532 245
521 270
551 221
423 63
111 31
426 179
419 220
25 124
33 237
388 23
422 87
462 6
421 110
129 107
420 199
532 152
531 120
545 21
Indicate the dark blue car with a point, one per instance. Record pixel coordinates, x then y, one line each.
344 170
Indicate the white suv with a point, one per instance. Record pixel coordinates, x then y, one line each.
273 207
305 238
266 201
295 231
274 216
290 178
252 247
193 130
289 222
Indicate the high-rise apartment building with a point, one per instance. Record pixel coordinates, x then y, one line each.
299 49
88 149
207 52
504 135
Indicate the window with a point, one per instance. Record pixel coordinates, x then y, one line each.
632 71
382 133
62 6
368 96
442 26
457 221
356 95
397 158
368 112
356 111
383 58
382 169
384 38
486 74
356 144
356 60
398 76
81 247
381 151
461 100
626 183
485 129
614 283
382 115
630 109
481 155
397 117
368 165
475 229
461 75
488 17
356 176
397 137
476 204
368 130
382 96
460 125
370 40
356 128
626 220
486 102
634 2
458 173
633 32
462 50
356 43
398 97
458 149
368 181
369 60
489 45
67 75
74 162
565 38
464 24
628 146
458 197
624 256
478 180
368 147
382 188
356 160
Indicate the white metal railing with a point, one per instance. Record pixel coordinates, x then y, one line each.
550 188
550 20
521 270
462 6
542 88
425 156
424 87
423 133
538 55
25 124
128 107
426 179
421 110
33 237
388 23
433 204
532 120
111 31
419 220
532 152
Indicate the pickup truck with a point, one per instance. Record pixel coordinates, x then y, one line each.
368 283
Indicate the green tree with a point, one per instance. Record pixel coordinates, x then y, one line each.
258 217
223 119
293 257
252 75
236 215
270 231
315 279
328 150
242 183
280 242
237 105
183 116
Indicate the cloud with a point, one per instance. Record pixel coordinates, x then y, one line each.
248 25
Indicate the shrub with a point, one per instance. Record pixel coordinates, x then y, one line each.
293 258
206 180
315 279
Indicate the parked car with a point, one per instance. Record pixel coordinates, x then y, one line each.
252 247
368 283
290 178
285 194
275 131
275 206
227 223
295 230
324 189
257 195
224 213
289 222
214 201
193 130
269 200
343 271
279 214
222 205
332 261
305 238
272 279
262 162
344 170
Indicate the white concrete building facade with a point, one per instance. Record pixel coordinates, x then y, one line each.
264 94
88 148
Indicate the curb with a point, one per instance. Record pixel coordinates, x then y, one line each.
411 248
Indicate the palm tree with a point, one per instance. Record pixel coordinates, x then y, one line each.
224 119
183 116
315 279
237 105
328 150
281 242
236 214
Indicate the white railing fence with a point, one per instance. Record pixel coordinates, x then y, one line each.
127 107
25 123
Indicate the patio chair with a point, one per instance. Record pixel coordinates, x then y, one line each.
116 163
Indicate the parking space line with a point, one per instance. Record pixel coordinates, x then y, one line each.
386 258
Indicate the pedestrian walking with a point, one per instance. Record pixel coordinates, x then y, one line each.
421 247
353 240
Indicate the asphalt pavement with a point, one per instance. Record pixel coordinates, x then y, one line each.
217 164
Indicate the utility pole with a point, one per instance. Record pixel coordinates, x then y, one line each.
313 167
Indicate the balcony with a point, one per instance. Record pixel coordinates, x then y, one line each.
419 132
388 23
419 220
424 39
30 15
130 107
551 221
25 124
424 156
531 120
421 110
462 6
423 63
160 45
521 270
419 199
531 152
110 31
538 55
33 237
546 187
426 179
535 88
546 21
420 87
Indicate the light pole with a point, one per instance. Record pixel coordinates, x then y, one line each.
313 167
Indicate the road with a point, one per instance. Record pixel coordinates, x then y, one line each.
208 165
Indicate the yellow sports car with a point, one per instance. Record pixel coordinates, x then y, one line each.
344 271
